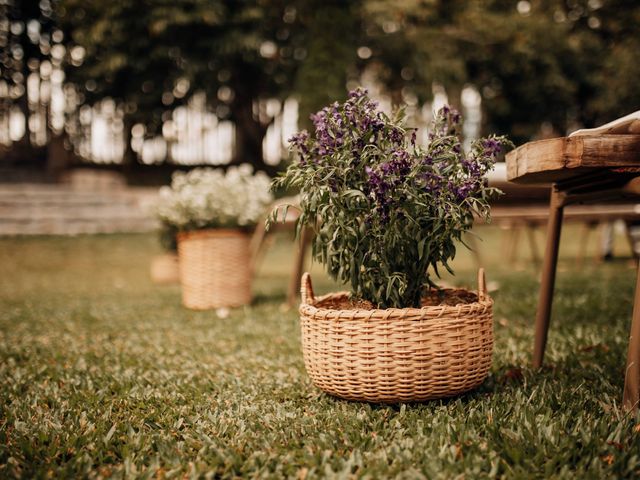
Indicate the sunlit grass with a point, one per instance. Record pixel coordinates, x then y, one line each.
103 373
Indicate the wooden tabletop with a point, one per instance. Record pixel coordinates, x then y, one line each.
547 161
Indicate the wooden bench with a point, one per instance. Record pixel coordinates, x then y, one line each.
594 169
525 207
530 218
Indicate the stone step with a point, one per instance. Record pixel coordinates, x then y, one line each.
13 175
84 214
27 209
77 226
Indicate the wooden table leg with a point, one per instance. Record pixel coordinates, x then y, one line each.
545 299
256 247
631 395
298 265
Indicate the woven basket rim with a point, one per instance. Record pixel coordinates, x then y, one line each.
212 232
312 306
316 308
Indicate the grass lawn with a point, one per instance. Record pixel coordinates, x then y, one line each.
103 374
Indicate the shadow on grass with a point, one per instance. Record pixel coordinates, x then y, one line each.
261 299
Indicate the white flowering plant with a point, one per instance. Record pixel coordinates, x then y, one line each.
210 198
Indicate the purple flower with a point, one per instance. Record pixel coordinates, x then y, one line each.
396 136
446 121
300 139
432 183
358 93
329 130
472 167
379 191
492 146
466 189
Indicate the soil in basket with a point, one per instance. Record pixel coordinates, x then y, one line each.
431 299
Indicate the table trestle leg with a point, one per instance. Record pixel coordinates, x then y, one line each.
631 395
550 262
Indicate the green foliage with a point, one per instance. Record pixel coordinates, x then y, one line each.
331 40
168 237
20 46
126 57
103 374
152 56
542 67
384 210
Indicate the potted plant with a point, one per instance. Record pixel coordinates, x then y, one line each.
387 215
213 213
164 268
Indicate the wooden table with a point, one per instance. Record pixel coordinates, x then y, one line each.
581 169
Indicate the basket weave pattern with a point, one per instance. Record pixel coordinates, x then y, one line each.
214 268
396 355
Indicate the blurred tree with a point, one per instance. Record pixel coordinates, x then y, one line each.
247 56
152 55
414 45
525 65
538 64
541 63
331 36
30 52
612 30
124 56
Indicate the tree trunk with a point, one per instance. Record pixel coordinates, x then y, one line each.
454 97
23 103
59 159
250 134
129 157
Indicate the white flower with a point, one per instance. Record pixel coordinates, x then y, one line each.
208 198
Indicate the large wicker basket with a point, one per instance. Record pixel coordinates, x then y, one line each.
214 268
396 355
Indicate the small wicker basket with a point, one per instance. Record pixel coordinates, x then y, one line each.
396 355
214 268
164 269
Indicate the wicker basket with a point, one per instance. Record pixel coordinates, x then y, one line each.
396 355
214 268
164 269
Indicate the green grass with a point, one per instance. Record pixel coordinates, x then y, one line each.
104 374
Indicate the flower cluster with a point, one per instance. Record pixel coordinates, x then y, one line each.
386 211
353 123
210 198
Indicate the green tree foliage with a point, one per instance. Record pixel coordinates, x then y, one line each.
28 33
556 62
331 41
413 45
553 63
152 55
126 57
